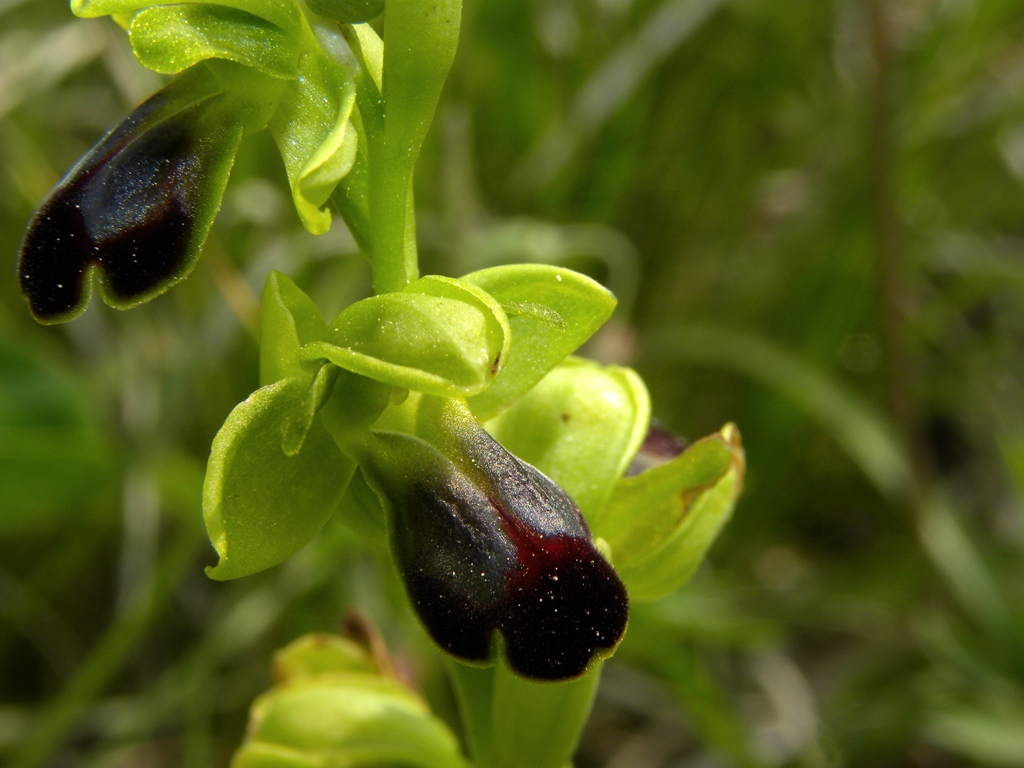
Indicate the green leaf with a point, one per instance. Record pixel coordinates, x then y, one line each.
420 37
346 719
437 336
288 319
312 130
987 735
661 522
580 426
552 311
284 13
260 505
170 38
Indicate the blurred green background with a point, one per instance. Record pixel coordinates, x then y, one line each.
813 214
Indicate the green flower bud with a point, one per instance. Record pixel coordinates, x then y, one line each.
330 707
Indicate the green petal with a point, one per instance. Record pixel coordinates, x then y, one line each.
312 130
552 311
260 505
170 38
284 13
437 336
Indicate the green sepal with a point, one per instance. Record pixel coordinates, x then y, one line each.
315 136
439 336
581 426
260 505
288 319
356 402
552 311
661 522
284 13
297 424
351 195
170 38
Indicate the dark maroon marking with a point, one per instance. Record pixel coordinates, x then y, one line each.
565 605
506 550
128 208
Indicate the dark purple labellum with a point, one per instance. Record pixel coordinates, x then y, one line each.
486 542
136 208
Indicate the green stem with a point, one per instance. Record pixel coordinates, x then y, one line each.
539 724
511 722
420 38
393 252
474 690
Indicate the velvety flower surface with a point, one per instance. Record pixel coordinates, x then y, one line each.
136 209
486 543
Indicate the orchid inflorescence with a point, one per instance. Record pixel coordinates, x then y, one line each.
446 415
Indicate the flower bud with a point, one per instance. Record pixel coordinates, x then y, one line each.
331 707
486 543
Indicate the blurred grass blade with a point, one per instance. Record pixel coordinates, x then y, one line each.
986 737
109 654
29 64
860 431
957 559
863 434
610 86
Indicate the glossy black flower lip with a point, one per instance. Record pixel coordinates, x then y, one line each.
135 209
490 544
